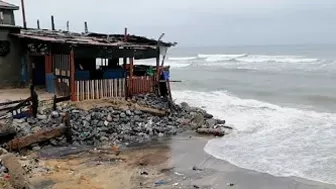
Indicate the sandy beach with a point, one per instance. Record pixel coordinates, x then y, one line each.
176 163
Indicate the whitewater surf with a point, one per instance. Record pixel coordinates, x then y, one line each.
281 106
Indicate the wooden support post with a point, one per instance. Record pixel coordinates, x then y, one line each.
23 14
125 76
164 56
72 75
34 100
54 103
52 23
30 65
125 70
67 25
131 76
38 24
157 76
86 30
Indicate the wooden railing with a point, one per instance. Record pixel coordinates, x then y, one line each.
100 89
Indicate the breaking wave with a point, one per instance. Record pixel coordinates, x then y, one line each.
181 58
255 58
220 57
244 61
269 138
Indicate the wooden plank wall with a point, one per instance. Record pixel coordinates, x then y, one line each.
62 73
141 85
112 88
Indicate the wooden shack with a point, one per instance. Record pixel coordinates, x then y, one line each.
66 62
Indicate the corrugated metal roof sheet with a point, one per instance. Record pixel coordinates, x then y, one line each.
88 39
5 5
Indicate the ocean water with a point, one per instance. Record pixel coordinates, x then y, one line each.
281 100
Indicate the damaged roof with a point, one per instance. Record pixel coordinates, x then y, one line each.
8 6
65 37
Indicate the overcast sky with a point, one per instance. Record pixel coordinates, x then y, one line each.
195 22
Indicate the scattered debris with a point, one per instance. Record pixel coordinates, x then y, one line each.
160 182
230 184
179 174
166 169
143 173
211 131
196 168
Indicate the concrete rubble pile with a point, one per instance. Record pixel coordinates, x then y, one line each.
111 125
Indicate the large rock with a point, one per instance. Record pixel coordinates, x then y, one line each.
198 120
220 122
122 115
211 123
109 118
208 116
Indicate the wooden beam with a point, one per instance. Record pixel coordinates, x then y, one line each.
52 23
157 64
152 111
19 143
38 24
125 35
86 30
10 102
30 65
124 66
23 14
131 84
210 131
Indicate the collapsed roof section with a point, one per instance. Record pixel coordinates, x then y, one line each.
94 39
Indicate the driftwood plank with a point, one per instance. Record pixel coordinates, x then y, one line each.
210 131
152 111
10 102
41 136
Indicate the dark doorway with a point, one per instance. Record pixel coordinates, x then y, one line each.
38 70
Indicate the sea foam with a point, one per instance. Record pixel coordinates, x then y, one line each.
269 138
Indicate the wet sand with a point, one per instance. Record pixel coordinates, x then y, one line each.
177 163
190 152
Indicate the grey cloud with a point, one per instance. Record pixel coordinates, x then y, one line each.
197 22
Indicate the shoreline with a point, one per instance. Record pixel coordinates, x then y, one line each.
146 145
179 162
226 172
